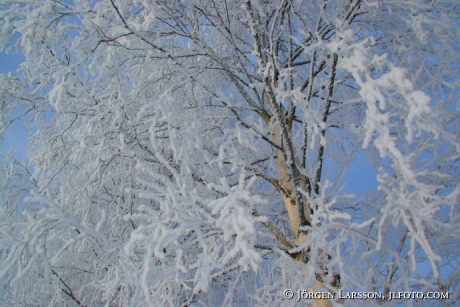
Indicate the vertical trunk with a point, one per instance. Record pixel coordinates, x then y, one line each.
291 180
290 197
293 213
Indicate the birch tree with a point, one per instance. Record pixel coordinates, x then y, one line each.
192 153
